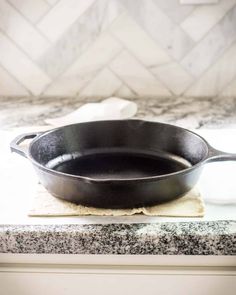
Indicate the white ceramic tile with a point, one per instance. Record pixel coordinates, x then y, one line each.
104 12
212 46
173 76
61 16
136 76
174 9
51 2
124 91
136 40
97 56
67 85
21 67
32 10
85 67
197 2
230 90
159 56
79 37
217 77
21 31
160 27
203 18
104 84
9 86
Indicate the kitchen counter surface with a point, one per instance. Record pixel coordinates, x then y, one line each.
215 234
188 112
183 238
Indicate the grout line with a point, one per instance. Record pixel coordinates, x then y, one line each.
121 13
226 86
24 53
174 22
75 58
203 37
124 45
219 20
50 3
98 34
68 28
16 80
123 82
46 12
197 79
26 56
118 89
142 64
165 48
148 34
104 12
98 72
26 19
208 32
88 82
93 76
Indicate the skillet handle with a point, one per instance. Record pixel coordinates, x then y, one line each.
15 143
215 155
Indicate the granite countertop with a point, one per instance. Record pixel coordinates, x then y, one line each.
113 236
184 238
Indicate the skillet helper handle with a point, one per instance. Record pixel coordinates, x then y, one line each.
215 155
15 143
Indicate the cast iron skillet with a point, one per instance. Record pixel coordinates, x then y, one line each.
120 163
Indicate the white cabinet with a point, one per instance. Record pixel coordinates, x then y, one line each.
26 283
55 274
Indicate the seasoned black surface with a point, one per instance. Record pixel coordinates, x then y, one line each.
119 163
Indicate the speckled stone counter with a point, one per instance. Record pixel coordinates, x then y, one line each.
194 237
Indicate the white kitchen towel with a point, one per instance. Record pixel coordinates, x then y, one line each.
112 108
44 204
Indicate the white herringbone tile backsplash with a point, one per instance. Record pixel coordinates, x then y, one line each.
117 47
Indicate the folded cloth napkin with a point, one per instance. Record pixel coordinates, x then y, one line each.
44 204
112 108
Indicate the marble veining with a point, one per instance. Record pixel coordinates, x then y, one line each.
171 46
188 112
84 32
220 38
152 18
184 238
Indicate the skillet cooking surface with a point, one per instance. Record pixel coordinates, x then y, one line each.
117 163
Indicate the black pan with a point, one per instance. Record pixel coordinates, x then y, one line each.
118 164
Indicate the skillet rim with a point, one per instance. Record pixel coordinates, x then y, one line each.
118 180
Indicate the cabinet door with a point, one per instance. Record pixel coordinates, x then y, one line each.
26 283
